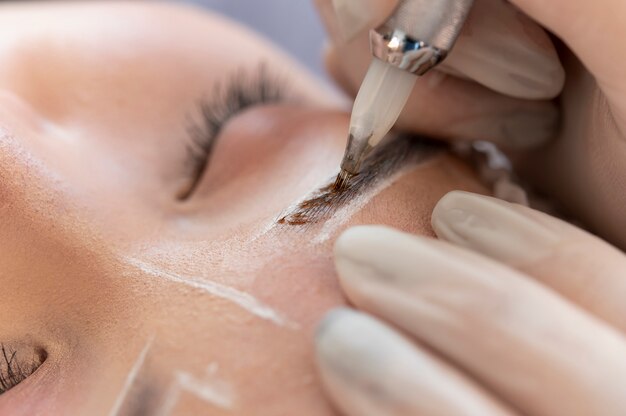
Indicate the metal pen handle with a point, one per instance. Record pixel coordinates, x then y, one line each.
420 33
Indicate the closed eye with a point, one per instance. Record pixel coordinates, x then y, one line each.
241 91
17 364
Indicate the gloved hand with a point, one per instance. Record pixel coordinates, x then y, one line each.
504 69
513 313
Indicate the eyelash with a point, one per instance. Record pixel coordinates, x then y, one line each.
11 372
240 92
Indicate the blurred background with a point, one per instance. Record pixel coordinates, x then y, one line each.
293 24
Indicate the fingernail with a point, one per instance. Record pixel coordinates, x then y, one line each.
492 227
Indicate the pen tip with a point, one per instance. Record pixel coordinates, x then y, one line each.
342 180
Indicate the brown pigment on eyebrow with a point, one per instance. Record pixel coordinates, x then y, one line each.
387 158
322 201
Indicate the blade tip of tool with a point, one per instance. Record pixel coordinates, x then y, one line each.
343 178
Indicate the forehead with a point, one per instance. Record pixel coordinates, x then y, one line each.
149 37
112 74
115 73
129 47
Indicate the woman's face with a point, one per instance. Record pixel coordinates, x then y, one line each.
145 282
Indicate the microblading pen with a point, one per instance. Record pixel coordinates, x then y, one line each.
415 39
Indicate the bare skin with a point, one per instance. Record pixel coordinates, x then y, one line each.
137 297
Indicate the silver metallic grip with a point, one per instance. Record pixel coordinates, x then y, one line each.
420 33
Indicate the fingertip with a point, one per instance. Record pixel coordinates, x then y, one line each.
508 52
369 368
362 237
444 209
326 326
365 257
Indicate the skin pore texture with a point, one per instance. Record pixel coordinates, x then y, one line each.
140 302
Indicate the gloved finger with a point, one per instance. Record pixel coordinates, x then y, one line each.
525 343
594 30
576 264
369 369
455 109
506 51
499 47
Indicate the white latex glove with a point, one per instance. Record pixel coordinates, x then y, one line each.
504 70
515 313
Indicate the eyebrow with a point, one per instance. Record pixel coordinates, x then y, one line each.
401 151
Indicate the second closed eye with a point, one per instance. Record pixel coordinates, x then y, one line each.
17 363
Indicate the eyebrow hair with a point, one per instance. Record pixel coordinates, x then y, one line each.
396 153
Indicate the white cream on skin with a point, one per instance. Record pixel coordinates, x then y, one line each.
211 389
130 379
241 299
273 223
341 217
